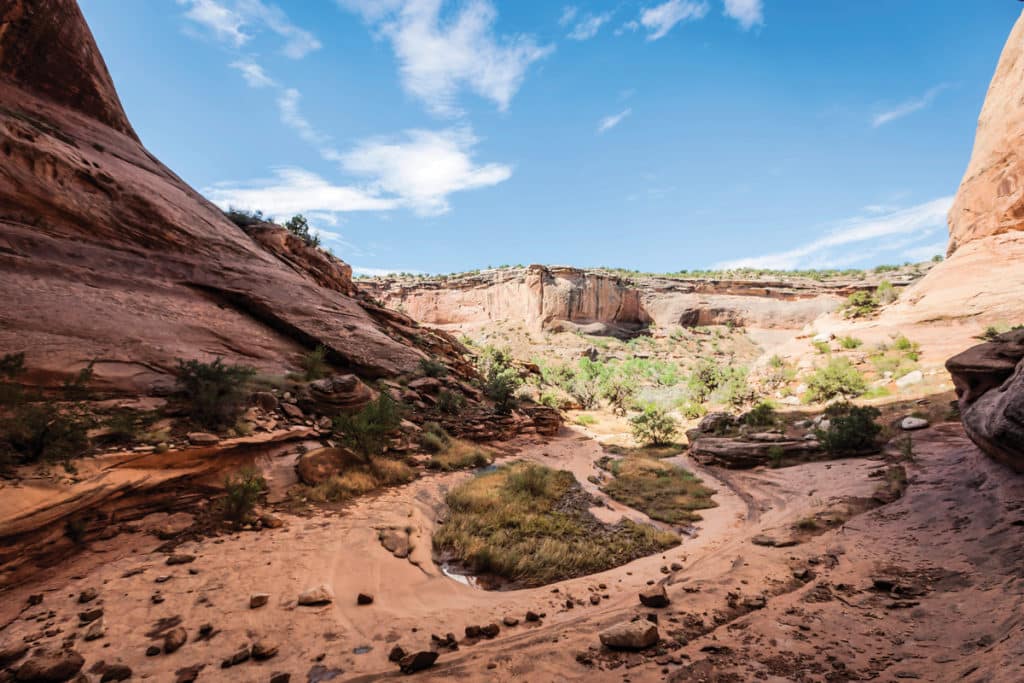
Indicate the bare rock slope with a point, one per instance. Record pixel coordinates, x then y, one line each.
106 255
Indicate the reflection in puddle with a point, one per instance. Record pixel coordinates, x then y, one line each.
465 579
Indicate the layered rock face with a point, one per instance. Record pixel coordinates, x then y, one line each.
106 255
559 298
984 271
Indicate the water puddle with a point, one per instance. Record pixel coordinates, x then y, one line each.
465 579
361 650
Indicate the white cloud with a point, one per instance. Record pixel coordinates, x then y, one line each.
871 235
288 107
295 190
417 170
229 19
747 12
588 27
569 13
609 122
253 74
631 26
438 58
908 107
424 167
659 20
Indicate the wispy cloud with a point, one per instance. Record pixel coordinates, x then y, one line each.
609 122
908 107
660 19
253 74
748 13
926 251
295 190
569 13
872 235
589 25
438 59
234 22
291 116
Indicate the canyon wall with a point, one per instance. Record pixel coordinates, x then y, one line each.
560 298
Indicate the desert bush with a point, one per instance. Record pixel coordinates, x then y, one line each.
314 364
366 432
460 455
450 402
654 427
299 226
660 490
38 432
692 410
761 415
775 456
434 438
584 420
242 492
851 430
432 367
619 392
860 305
550 399
501 380
214 392
822 347
77 387
886 293
838 378
849 343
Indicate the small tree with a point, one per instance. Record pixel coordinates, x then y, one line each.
366 432
619 391
314 363
243 491
299 226
501 380
214 392
654 427
838 378
851 429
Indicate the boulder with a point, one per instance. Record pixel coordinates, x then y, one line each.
116 672
744 453
335 395
989 381
654 596
240 655
292 411
203 439
630 635
417 661
265 400
429 385
364 599
88 595
910 379
321 595
264 649
910 423
321 464
95 631
50 666
174 639
90 615
257 600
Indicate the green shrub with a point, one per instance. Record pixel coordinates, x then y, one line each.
849 343
501 380
822 347
450 402
761 415
584 420
77 388
299 226
434 438
851 430
314 364
838 378
692 410
40 432
214 392
366 432
775 456
654 427
886 293
432 367
619 392
550 399
860 305
242 493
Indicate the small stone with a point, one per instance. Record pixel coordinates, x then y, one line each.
532 616
490 631
280 677
655 596
203 439
87 595
911 423
189 674
473 632
909 379
675 566
116 672
265 400
174 639
510 621
50 665
95 631
292 411
270 521
180 558
152 651
237 657
90 615
257 600
396 654
321 595
757 602
263 649
35 599
417 661
630 635
364 599
595 599
156 598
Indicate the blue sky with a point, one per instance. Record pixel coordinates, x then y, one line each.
445 135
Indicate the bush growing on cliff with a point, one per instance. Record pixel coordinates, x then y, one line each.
761 415
314 364
450 402
299 226
860 305
838 378
242 493
501 380
40 432
432 367
214 392
654 427
366 432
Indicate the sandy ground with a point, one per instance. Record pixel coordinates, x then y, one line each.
954 541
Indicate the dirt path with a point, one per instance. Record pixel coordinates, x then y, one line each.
962 570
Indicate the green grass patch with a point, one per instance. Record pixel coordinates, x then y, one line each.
658 489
